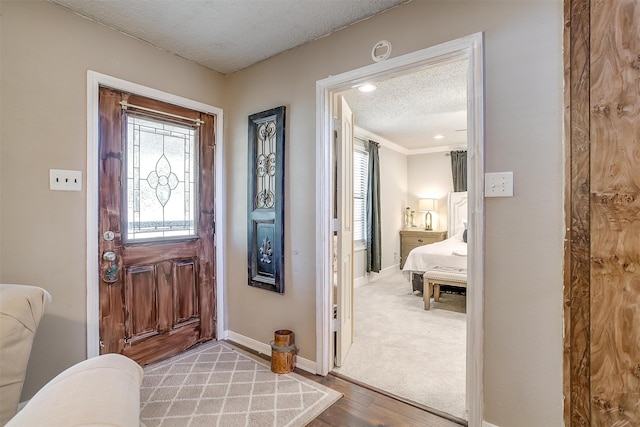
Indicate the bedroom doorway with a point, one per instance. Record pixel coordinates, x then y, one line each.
471 49
420 354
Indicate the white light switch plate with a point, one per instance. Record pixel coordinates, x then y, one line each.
65 180
498 184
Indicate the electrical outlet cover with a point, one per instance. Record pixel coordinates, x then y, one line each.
498 184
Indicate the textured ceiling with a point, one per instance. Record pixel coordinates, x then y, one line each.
229 35
410 110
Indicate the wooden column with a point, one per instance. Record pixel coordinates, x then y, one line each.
615 212
577 292
602 256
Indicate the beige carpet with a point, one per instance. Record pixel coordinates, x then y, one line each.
401 348
216 384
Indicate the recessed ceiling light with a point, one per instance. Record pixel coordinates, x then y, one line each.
439 136
367 88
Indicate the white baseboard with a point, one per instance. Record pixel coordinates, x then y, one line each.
262 348
385 272
224 336
486 424
254 345
306 365
372 277
359 281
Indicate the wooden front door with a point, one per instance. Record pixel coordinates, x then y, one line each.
156 227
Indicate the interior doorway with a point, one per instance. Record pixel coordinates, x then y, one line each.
470 48
403 115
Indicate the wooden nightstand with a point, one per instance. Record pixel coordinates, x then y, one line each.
412 238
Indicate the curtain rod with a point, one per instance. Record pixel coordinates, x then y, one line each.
125 105
448 153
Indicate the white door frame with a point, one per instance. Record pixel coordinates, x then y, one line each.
471 48
94 80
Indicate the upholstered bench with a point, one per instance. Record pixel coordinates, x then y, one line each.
434 278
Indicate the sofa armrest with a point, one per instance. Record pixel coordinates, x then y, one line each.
21 308
100 391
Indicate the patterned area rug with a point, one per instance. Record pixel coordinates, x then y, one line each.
216 384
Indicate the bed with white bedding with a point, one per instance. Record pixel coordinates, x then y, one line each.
447 255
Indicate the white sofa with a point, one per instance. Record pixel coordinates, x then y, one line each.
101 391
21 308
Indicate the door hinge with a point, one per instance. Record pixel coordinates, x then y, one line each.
335 224
337 123
335 323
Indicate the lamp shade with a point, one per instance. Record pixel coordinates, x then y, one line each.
425 205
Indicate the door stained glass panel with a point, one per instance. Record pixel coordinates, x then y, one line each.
160 179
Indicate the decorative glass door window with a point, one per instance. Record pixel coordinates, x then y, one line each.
161 179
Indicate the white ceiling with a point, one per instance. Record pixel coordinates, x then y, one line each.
229 35
410 110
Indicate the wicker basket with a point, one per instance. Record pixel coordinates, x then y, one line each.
283 352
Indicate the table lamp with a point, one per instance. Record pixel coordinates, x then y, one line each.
427 205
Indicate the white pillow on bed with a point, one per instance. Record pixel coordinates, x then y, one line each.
458 236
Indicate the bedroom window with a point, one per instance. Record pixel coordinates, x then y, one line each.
360 177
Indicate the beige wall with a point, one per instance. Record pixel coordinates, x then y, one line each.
403 181
523 258
393 196
1 151
46 52
429 176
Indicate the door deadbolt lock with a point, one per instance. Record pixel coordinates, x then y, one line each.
109 256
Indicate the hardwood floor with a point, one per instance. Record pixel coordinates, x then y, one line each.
361 406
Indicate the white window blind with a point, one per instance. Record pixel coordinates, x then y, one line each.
360 176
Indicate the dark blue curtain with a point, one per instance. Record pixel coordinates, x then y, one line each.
374 237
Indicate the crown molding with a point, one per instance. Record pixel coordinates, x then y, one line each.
367 135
